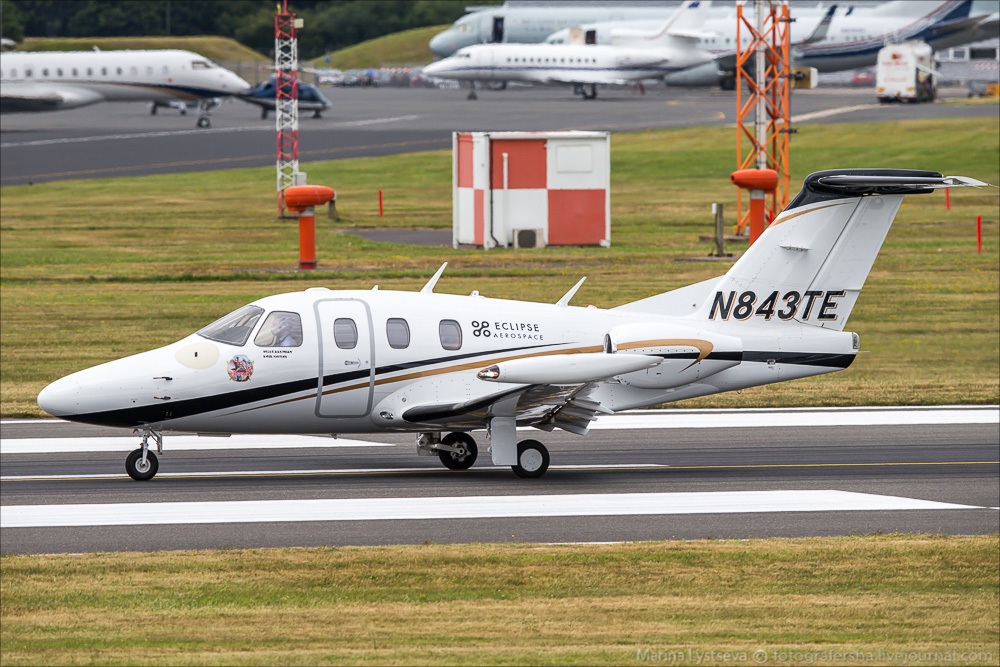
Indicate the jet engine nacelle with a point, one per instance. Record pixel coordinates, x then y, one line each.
688 354
702 75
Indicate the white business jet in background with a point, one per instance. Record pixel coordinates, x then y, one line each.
583 66
52 81
442 365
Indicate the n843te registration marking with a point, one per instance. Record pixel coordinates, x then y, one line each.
818 304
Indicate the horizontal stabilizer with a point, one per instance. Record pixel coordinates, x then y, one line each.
892 184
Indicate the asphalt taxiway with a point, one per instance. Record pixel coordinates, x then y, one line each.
641 476
125 140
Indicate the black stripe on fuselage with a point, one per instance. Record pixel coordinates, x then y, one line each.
151 414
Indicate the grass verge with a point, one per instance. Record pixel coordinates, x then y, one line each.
93 270
915 595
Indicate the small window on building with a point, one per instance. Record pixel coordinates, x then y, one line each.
281 329
398 333
451 334
345 333
235 327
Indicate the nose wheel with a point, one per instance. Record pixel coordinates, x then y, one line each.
141 465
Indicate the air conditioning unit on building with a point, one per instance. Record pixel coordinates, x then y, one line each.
529 238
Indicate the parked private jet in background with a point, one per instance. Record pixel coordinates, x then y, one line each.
441 365
846 37
668 50
56 80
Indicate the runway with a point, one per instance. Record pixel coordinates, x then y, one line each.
107 140
643 475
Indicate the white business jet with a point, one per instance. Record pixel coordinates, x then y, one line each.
441 365
52 81
583 66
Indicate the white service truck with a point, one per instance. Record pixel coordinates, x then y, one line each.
905 73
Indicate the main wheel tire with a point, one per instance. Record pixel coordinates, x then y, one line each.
138 470
459 460
532 459
204 122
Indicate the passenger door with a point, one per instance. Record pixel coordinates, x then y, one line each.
346 358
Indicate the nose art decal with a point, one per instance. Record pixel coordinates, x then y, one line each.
240 368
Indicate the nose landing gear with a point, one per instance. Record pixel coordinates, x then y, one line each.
141 465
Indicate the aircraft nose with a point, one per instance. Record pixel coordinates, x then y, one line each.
435 68
61 398
237 83
441 44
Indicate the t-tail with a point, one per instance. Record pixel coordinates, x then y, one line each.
810 264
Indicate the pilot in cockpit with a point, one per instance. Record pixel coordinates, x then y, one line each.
280 330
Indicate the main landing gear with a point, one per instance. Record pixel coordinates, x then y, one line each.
587 90
458 451
141 465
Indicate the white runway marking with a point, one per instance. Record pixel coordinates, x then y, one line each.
331 471
825 113
201 131
636 419
455 507
184 443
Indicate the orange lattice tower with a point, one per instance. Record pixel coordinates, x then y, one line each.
762 123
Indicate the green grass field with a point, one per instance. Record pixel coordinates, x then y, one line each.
409 47
922 597
97 269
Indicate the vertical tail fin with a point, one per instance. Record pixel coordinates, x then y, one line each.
810 264
689 19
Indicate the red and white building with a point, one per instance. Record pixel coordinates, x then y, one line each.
531 189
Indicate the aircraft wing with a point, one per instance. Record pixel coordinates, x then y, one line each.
18 96
573 80
549 391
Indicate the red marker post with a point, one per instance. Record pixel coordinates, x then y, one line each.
979 234
380 203
947 199
760 182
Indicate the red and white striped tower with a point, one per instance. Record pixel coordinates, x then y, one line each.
286 59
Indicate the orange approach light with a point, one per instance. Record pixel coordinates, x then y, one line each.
302 199
759 182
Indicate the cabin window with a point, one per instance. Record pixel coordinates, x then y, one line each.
59 71
13 73
281 329
166 70
345 333
75 73
398 333
149 71
45 71
450 332
28 73
90 71
133 71
104 71
119 71
235 327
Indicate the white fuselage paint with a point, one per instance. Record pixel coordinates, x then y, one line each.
369 387
50 81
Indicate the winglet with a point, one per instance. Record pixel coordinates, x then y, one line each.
819 34
429 287
564 301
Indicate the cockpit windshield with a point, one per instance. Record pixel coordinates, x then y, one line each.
202 64
235 327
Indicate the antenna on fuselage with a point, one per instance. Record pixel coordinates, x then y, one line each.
429 287
569 295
